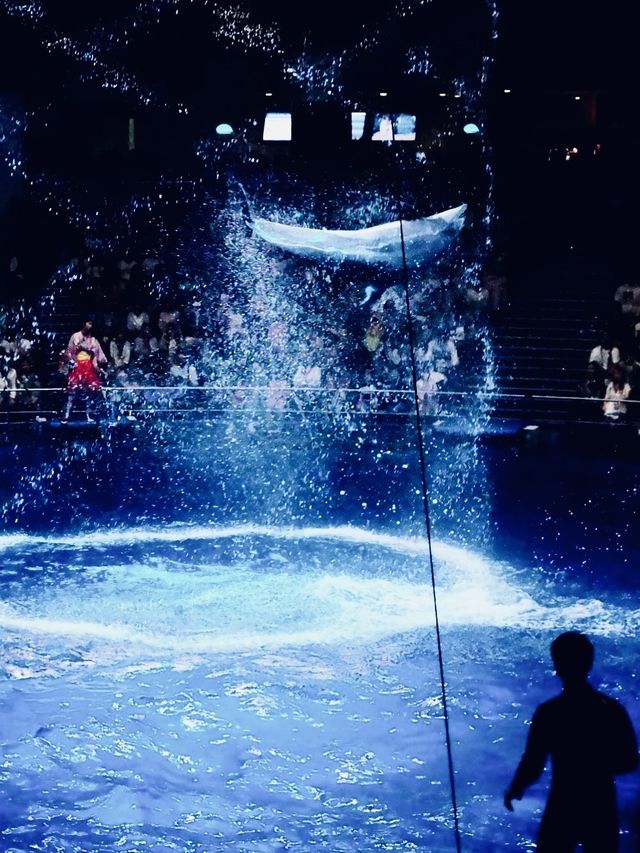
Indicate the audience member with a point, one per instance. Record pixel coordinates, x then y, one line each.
8 380
373 335
441 354
601 353
183 370
628 298
29 382
590 740
120 351
594 381
163 343
616 392
136 319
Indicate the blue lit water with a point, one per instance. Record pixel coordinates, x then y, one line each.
186 685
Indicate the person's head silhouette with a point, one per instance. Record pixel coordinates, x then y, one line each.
572 654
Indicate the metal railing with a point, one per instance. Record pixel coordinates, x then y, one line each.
140 401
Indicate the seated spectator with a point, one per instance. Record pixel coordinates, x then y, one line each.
190 318
630 369
278 335
120 352
616 352
601 353
15 347
259 302
145 344
418 307
8 379
307 376
616 393
170 339
120 382
168 315
94 271
427 387
126 267
477 296
277 394
496 286
149 265
392 296
117 298
16 278
28 380
594 381
367 400
182 370
136 319
628 298
373 335
441 354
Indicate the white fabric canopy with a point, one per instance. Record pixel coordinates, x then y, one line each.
379 244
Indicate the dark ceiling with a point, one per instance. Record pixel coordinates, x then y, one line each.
546 51
542 44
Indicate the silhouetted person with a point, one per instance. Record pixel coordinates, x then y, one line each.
590 740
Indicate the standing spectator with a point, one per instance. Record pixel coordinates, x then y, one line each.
590 740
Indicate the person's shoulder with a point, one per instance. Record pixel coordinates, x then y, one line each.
550 703
548 708
608 703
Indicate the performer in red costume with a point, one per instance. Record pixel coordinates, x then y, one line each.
84 354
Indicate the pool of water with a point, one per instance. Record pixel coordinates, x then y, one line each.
256 687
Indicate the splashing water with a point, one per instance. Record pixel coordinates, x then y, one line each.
159 594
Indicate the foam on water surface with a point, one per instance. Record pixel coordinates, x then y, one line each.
162 593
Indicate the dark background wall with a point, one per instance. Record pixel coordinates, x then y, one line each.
563 140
